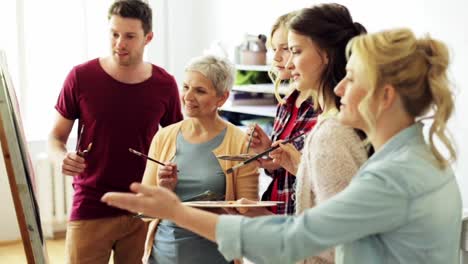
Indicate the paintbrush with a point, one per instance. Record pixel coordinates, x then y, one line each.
80 135
230 170
146 157
251 136
82 153
85 152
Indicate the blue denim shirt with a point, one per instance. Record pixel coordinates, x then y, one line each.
399 208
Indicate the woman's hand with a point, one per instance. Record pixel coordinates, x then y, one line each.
287 156
267 164
167 176
248 211
260 140
161 203
150 200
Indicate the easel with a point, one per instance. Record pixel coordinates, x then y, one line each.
19 171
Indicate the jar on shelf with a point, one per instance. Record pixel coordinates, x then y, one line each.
253 50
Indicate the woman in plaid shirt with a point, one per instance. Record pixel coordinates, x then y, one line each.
295 115
317 74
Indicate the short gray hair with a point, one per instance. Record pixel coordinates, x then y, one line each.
218 70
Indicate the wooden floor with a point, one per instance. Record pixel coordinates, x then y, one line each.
14 252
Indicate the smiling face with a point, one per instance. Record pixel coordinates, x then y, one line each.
352 90
127 40
306 63
279 44
199 96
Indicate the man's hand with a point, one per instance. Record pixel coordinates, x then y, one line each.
73 164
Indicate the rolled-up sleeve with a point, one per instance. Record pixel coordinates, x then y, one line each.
368 206
228 236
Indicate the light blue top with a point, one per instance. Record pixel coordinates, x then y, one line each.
399 208
199 171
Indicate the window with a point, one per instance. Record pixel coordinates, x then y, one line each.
43 47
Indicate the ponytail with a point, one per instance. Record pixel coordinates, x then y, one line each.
442 99
417 68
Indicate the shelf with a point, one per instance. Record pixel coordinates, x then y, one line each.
244 67
267 88
259 110
260 88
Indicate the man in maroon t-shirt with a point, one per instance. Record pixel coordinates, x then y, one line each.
119 102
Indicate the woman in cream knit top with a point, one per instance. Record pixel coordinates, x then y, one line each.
331 156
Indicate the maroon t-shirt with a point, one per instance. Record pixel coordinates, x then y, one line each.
116 116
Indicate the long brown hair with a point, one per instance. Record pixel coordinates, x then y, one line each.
330 26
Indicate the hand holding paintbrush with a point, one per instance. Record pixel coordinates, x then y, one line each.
252 130
257 139
287 157
74 163
260 155
167 174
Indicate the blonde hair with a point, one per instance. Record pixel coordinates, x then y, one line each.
417 68
281 21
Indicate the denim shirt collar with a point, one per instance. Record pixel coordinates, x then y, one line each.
405 137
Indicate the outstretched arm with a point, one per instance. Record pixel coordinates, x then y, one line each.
161 203
368 206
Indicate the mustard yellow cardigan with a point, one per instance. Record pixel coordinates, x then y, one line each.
242 183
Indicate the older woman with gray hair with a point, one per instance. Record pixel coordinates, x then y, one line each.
189 149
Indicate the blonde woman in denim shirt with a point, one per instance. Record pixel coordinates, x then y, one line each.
403 206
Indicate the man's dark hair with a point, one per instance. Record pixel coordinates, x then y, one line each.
133 9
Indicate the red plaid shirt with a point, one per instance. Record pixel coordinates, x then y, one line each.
283 182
